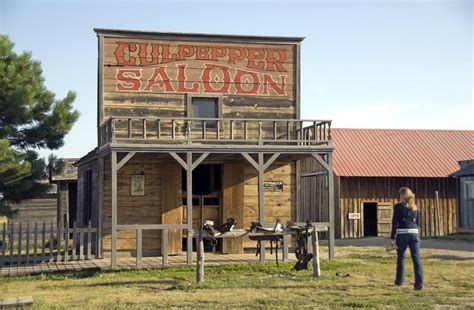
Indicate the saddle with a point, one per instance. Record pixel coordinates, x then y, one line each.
301 251
215 230
274 239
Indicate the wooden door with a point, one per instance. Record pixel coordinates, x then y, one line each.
384 219
233 204
171 205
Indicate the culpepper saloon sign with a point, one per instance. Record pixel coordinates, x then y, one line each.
180 67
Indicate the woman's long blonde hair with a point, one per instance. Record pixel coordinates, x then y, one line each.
408 198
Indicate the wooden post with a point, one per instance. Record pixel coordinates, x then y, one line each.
315 246
158 129
232 129
130 128
81 244
27 243
164 247
200 258
51 242
173 129
20 235
144 128
274 130
189 204
113 166
440 224
332 227
58 252
89 240
4 240
74 241
285 248
35 244
245 130
139 247
43 242
12 238
261 211
66 241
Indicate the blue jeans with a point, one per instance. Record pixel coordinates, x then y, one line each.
413 242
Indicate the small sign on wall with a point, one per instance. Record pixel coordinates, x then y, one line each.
354 216
273 186
137 185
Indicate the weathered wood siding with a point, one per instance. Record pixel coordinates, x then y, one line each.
281 205
466 206
152 77
43 209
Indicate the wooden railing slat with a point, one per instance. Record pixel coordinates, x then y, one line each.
51 242
28 243
66 241
43 243
4 240
12 239
74 241
59 243
81 244
35 244
20 235
89 240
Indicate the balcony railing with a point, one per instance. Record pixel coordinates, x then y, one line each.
237 131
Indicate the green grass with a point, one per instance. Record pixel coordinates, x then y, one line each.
456 237
448 283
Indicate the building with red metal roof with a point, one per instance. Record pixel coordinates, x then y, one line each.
371 165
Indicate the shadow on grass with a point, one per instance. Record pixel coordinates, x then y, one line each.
450 257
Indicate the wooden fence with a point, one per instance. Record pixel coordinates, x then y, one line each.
33 242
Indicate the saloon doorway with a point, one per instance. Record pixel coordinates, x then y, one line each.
370 219
207 198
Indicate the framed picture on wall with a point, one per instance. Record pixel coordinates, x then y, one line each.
137 185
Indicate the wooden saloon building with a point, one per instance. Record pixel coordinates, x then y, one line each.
371 165
195 127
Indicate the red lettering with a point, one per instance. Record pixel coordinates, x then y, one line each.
238 82
128 79
268 81
202 52
218 52
165 54
160 78
272 61
185 51
182 81
233 55
256 54
153 56
120 53
206 78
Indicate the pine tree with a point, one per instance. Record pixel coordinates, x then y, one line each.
31 118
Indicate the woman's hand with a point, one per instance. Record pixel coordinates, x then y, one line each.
393 242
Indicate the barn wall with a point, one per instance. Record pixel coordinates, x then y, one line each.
355 191
466 206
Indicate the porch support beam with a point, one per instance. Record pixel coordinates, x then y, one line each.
261 166
199 160
179 160
189 207
125 160
332 226
113 166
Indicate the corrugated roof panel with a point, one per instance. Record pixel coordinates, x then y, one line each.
402 153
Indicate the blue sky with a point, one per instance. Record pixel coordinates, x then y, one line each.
365 64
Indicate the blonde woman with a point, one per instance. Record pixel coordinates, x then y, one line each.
405 223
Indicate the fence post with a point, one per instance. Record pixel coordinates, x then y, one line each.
58 253
20 233
4 240
12 239
315 246
164 246
43 243
66 241
285 248
139 247
81 244
35 252
89 240
200 258
27 243
51 242
74 242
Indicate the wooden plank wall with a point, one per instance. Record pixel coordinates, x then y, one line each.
171 204
159 101
39 210
466 206
280 205
233 196
355 191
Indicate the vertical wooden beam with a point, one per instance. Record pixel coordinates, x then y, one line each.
139 247
130 135
331 207
315 246
189 205
113 167
27 243
200 259
261 210
164 247
4 240
285 248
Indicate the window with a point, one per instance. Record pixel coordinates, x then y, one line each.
87 204
204 107
469 190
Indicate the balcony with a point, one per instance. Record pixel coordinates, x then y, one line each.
216 131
